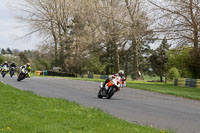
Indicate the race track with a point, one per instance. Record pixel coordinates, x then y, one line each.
143 107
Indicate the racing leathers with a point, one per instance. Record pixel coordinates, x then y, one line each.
28 68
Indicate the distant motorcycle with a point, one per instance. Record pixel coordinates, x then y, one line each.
111 87
4 71
12 71
22 75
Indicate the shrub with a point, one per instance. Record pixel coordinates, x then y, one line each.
1 59
173 73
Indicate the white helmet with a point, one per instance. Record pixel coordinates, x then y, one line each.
121 72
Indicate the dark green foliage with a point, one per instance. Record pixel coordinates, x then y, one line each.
24 58
3 51
108 59
1 59
94 65
159 59
178 57
145 64
9 51
193 63
42 64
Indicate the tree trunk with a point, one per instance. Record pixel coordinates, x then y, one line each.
55 43
161 78
196 41
61 52
116 53
194 25
126 66
136 72
56 53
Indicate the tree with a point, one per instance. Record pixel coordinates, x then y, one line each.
3 51
49 19
1 59
159 59
94 65
178 58
173 73
137 29
9 51
179 19
83 28
24 58
193 63
110 30
42 64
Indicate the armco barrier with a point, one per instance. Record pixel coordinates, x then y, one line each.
90 76
38 73
175 82
181 82
62 74
187 82
198 83
94 76
104 76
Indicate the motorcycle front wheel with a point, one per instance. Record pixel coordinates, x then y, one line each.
3 74
99 95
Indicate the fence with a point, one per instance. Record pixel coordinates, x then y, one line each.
187 82
93 76
52 73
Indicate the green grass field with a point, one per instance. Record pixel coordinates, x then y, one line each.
25 112
169 88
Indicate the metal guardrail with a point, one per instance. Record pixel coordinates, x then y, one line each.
187 82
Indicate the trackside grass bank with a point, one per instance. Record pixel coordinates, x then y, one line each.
25 112
169 88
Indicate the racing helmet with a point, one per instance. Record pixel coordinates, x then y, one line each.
121 72
28 64
6 62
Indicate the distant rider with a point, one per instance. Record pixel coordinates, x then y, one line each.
13 65
4 64
119 74
28 68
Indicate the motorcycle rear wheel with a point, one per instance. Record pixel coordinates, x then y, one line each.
111 93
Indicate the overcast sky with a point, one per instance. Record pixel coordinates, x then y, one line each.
9 32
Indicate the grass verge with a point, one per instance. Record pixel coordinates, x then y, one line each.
25 112
169 88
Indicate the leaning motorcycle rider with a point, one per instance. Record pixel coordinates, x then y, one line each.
13 65
28 68
4 64
119 74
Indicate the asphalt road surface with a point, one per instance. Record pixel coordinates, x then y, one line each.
137 106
